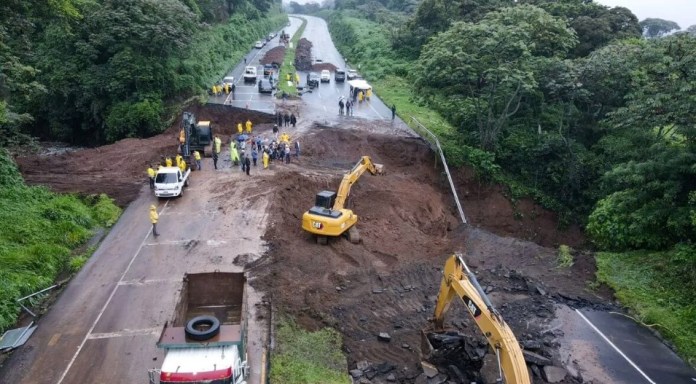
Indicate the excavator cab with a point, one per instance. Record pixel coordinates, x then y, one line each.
323 205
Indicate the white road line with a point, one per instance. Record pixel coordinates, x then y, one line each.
615 348
101 312
126 333
373 108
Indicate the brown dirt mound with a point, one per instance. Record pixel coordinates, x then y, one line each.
274 56
322 66
408 225
119 169
303 55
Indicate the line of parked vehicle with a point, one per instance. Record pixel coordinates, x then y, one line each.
340 75
262 43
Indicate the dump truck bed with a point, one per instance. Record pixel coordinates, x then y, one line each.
218 294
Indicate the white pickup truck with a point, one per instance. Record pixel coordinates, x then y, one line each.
250 74
170 181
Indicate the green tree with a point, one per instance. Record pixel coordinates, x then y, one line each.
650 142
482 71
654 27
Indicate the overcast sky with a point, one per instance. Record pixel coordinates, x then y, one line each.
683 12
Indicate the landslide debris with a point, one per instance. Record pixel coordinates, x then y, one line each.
274 56
303 55
380 293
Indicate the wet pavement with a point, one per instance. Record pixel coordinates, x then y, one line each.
104 326
319 104
609 347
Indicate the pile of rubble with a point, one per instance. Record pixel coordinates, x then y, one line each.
303 55
274 56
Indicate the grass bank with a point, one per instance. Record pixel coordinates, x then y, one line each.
41 233
658 288
303 357
288 66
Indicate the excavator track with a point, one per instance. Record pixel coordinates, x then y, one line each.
353 235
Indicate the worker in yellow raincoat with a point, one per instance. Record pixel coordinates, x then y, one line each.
234 155
368 94
297 78
151 175
154 217
284 138
168 161
287 77
239 128
182 165
227 89
197 157
248 126
178 159
265 159
218 144
360 96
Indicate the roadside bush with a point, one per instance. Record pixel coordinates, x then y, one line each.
304 357
42 229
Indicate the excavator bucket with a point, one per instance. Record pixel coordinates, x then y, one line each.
379 168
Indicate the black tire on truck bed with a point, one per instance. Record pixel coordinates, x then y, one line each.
193 333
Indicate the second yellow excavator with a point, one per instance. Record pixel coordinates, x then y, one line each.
458 280
328 217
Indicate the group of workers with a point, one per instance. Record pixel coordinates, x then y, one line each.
244 150
286 119
248 125
359 95
168 162
227 88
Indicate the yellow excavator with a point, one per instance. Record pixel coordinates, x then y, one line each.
459 281
328 217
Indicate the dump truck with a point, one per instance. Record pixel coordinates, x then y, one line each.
206 340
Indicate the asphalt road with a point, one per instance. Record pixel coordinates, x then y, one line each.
610 347
104 326
322 102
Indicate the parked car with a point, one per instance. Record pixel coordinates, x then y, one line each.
267 69
228 80
339 75
352 74
325 76
313 79
259 44
270 36
265 86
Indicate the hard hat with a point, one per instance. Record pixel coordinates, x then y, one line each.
153 207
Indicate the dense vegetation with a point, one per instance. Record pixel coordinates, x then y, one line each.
576 104
40 233
303 357
89 72
95 71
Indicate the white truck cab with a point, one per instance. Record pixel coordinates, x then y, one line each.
250 74
170 181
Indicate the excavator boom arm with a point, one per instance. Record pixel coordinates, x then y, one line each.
365 164
459 281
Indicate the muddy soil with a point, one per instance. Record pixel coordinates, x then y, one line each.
274 56
119 169
409 226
